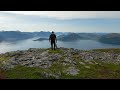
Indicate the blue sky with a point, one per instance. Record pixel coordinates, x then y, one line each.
60 21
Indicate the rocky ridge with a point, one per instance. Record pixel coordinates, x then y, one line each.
45 58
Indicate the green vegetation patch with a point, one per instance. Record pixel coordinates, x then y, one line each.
3 59
96 71
99 71
22 72
55 51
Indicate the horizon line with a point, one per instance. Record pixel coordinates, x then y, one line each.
54 31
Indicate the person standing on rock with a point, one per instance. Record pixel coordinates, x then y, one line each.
53 40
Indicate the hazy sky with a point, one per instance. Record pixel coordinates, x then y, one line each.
63 21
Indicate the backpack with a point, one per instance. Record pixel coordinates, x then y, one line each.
52 37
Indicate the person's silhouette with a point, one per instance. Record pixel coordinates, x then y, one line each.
53 40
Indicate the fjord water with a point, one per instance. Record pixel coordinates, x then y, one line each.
29 43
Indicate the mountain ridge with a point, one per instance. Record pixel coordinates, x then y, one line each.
112 38
107 38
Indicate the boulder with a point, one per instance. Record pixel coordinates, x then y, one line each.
72 71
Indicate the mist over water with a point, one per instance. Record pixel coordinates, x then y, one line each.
29 43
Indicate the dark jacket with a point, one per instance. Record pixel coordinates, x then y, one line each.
52 37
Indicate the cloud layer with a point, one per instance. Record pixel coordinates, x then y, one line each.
71 14
64 21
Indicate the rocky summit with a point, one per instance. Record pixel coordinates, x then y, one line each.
62 63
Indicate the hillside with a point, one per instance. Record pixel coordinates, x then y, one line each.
80 36
90 36
112 38
41 34
41 39
17 35
63 63
66 36
69 37
14 35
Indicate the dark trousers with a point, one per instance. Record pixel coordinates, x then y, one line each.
53 44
